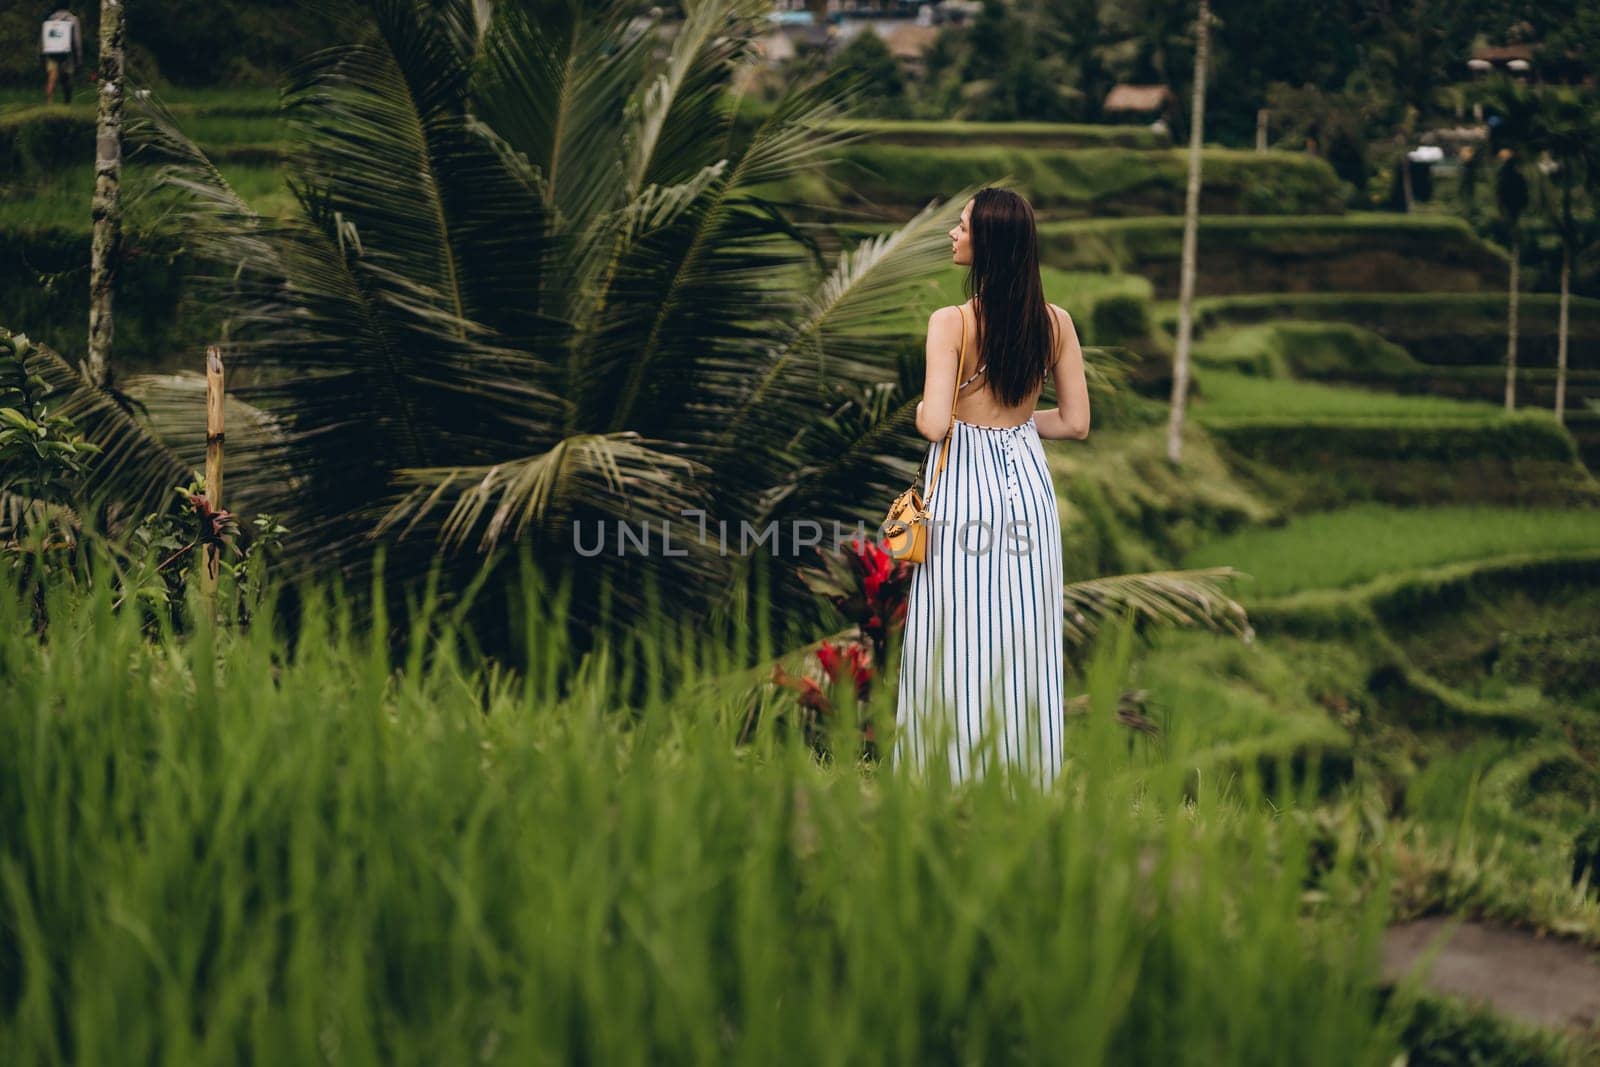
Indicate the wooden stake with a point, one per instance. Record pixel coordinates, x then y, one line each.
214 396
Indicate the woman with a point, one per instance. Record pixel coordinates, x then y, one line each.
981 672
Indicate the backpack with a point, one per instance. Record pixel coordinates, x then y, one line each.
57 37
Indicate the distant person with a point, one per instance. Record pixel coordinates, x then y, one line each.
61 44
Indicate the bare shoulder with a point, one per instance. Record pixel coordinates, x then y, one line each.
947 323
953 312
1061 314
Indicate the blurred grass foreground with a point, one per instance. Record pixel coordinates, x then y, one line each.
221 848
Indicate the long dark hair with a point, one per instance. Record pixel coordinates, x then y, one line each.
1016 331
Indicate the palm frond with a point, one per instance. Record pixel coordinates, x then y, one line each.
550 82
1164 598
135 470
710 295
838 339
598 505
259 475
679 120
634 478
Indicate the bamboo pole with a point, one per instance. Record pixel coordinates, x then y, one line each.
214 397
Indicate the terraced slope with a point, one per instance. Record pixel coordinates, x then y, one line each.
1289 252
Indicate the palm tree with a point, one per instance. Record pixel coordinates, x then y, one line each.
536 282
1566 130
1191 226
107 193
1413 53
1514 109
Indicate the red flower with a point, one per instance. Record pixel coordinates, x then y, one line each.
215 526
860 664
859 658
811 694
829 655
879 568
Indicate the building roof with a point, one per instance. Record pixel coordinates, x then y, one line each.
1138 98
910 41
1503 53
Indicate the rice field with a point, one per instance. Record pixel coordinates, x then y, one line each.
1335 549
1230 395
220 845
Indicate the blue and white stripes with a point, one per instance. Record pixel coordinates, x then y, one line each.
981 667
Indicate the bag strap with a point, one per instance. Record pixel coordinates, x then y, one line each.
944 446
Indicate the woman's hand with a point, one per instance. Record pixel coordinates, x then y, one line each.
1069 419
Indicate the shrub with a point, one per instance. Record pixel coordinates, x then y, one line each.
1119 319
1562 664
42 140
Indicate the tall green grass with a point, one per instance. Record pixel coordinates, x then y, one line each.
225 845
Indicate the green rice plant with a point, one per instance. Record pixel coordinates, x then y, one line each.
1320 447
61 202
1338 549
1444 329
297 844
233 100
1293 349
1444 1031
1278 250
1078 182
1229 395
950 134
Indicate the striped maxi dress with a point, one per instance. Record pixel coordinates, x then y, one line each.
981 662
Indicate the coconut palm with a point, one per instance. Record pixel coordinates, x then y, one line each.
1191 228
107 192
533 282
1413 54
1566 130
1514 109
536 281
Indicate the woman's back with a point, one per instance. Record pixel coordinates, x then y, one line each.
976 403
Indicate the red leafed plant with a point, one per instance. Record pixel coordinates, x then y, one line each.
868 587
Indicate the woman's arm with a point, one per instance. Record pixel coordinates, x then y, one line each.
1069 419
939 377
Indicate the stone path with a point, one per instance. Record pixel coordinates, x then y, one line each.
1541 980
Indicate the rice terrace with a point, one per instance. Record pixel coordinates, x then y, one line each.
461 599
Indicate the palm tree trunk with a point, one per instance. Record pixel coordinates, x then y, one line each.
1405 176
1512 298
1191 227
1561 332
107 210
